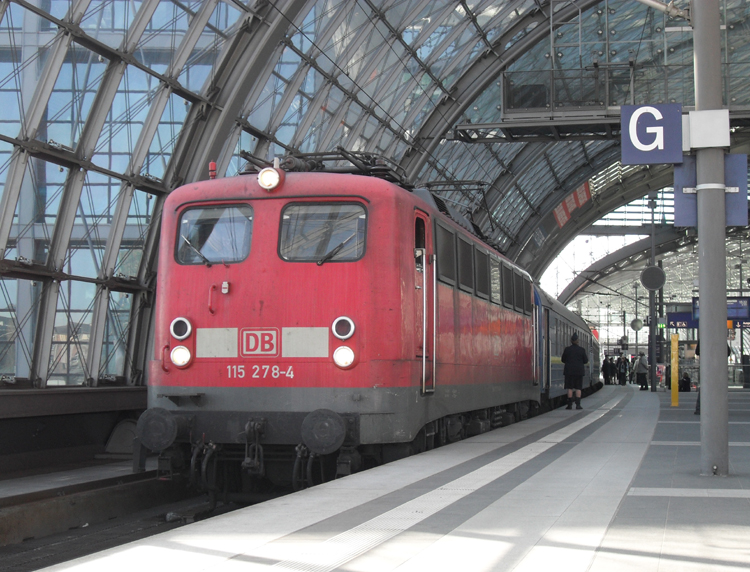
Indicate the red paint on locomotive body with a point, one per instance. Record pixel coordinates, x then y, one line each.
261 343
274 301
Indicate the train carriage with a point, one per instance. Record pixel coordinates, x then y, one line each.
558 324
328 319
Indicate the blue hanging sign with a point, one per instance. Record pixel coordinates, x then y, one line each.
735 202
681 320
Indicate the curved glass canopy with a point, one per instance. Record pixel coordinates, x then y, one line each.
108 105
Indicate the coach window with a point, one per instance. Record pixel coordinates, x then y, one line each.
507 286
554 337
495 289
446 255
214 235
482 273
465 265
322 232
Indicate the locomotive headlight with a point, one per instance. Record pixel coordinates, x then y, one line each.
343 328
343 356
180 328
269 178
180 356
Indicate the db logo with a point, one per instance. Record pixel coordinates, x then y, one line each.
262 342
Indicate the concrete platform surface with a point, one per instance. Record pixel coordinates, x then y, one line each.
83 475
613 487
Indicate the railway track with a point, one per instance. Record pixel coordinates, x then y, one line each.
36 553
58 524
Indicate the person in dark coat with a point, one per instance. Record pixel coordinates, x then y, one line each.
684 384
606 371
574 357
641 371
622 370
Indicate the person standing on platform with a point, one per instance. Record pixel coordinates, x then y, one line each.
606 371
641 371
622 370
684 384
574 357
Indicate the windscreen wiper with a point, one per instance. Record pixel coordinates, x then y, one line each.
331 253
205 260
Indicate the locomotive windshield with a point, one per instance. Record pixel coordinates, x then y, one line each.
322 231
219 234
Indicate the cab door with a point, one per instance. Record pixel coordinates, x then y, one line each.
424 300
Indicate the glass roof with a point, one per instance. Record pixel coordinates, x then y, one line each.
108 105
613 292
598 273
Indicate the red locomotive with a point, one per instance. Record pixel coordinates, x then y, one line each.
309 324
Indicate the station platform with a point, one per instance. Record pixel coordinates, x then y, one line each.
60 479
613 487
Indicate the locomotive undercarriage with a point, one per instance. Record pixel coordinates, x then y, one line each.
253 470
260 463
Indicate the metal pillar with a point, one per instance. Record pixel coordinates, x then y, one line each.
609 335
652 301
711 249
742 337
661 296
636 317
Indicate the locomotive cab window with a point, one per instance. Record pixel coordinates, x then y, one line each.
322 232
419 242
214 235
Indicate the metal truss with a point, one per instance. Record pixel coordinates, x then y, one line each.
536 256
78 162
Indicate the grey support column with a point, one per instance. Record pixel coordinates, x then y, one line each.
712 249
652 301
